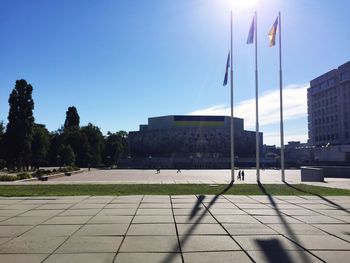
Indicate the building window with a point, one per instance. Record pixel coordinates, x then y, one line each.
344 76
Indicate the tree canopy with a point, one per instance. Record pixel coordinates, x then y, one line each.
24 143
72 118
19 129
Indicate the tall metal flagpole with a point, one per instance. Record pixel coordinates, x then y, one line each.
281 102
256 101
232 125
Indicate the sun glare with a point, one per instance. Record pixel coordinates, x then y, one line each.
243 3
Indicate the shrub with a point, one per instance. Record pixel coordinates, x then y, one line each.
7 178
23 175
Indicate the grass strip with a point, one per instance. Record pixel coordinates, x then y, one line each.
167 189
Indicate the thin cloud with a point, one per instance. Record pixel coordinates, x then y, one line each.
294 107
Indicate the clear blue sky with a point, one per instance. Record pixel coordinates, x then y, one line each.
120 62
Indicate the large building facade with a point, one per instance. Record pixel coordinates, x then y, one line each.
328 100
179 136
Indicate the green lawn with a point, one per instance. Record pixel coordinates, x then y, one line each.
167 189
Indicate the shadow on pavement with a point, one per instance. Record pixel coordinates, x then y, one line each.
194 211
290 232
274 251
196 207
320 196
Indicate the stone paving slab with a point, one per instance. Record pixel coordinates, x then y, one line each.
266 243
150 244
284 256
13 231
251 229
148 257
102 219
22 258
32 244
81 258
243 219
91 244
333 256
52 231
296 229
67 220
159 219
173 229
207 243
321 242
102 230
217 257
200 229
152 230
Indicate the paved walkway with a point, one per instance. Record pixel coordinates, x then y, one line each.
175 229
185 177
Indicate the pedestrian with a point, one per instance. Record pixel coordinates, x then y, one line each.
178 171
158 170
242 175
239 175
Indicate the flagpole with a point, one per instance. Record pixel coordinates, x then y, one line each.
232 125
257 141
281 102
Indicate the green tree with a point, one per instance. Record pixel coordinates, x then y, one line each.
2 128
66 155
72 118
79 143
56 140
40 145
116 147
18 136
2 151
95 141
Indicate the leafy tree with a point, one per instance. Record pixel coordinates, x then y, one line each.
116 147
79 143
95 141
2 128
40 145
19 129
56 140
72 118
2 151
66 155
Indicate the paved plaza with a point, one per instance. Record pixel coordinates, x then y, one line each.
133 176
166 229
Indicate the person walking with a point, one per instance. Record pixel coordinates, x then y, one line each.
239 175
242 175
